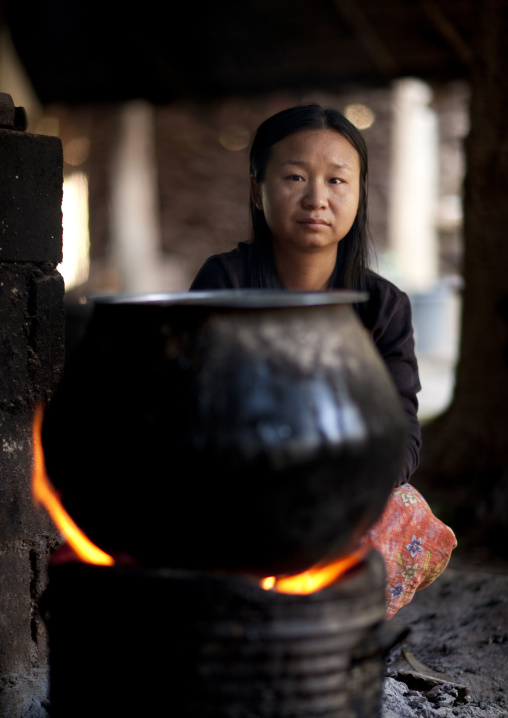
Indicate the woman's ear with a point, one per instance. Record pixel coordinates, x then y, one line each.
255 190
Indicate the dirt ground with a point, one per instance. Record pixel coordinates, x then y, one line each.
454 662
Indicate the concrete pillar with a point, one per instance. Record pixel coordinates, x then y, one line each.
31 361
412 232
134 205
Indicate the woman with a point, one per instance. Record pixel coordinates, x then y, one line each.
308 174
308 205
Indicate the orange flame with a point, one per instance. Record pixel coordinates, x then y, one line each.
44 493
315 578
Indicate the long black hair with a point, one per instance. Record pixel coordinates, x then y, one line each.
353 249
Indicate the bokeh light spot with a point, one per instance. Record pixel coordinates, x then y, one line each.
234 137
360 115
76 151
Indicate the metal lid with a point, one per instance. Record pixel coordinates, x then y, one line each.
242 298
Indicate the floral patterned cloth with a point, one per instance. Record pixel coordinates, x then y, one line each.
415 545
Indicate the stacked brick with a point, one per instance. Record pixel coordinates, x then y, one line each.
31 360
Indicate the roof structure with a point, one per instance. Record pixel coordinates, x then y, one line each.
91 51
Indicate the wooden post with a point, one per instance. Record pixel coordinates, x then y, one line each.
464 467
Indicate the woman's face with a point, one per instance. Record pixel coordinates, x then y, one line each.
311 190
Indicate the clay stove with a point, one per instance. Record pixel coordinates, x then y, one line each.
132 642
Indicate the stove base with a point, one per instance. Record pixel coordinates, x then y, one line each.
128 642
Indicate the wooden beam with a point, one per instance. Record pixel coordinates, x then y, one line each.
448 31
368 37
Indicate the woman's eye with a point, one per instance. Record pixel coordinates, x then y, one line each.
296 178
335 180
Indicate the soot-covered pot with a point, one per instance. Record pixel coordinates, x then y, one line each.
233 430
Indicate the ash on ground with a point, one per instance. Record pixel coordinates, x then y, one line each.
454 661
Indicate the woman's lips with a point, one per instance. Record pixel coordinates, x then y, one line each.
312 221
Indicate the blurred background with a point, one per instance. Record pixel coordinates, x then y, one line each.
156 116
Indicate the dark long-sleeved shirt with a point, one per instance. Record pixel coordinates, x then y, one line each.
386 315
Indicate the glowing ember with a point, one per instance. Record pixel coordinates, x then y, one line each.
44 493
315 578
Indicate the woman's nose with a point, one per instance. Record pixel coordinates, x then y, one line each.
315 196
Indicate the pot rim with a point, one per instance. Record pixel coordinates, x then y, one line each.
249 298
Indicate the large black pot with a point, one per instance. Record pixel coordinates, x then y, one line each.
233 430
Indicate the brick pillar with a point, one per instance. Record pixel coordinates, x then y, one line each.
31 360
